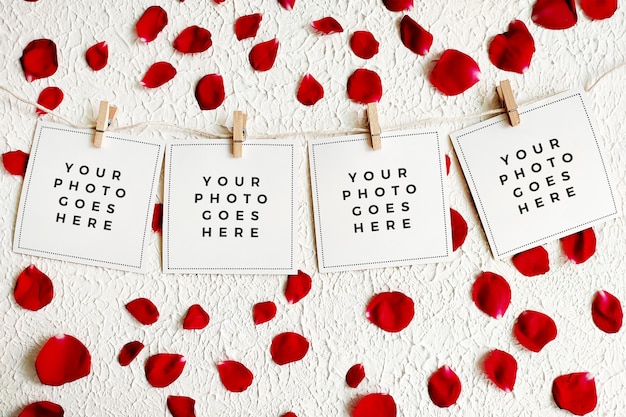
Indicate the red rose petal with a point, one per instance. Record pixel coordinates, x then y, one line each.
62 359
534 330
157 218
491 294
158 74
375 405
415 37
50 98
289 414
33 289
355 375
143 310
575 393
218 1
192 40
363 44
444 387
448 163
599 9
310 91
555 14
287 4
454 73
164 368
327 25
364 86
39 59
501 368
513 49
15 162
151 23
459 229
234 376
263 55
210 92
606 312
298 286
196 318
42 409
129 352
97 56
398 5
288 347
580 246
263 312
247 26
180 406
532 262
391 311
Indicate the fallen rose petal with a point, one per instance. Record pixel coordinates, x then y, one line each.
287 4
363 44
532 262
210 92
97 56
575 393
33 289
180 406
398 5
391 311
263 55
218 1
129 352
534 330
491 294
298 286
580 246
513 49
192 40
355 375
289 414
310 91
39 59
364 86
15 162
606 312
247 26
163 369
599 9
415 37
62 359
448 163
143 310
157 218
151 23
50 98
459 227
327 25
501 368
234 376
444 387
42 409
555 14
454 73
196 318
375 405
288 347
263 312
158 74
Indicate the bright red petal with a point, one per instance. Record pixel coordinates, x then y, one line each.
210 92
218 1
33 289
298 286
196 318
327 25
263 55
599 9
42 409
164 368
181 406
151 23
513 49
580 246
363 44
375 405
62 359
97 56
415 37
454 73
532 262
444 387
129 352
288 347
575 393
364 86
398 5
289 414
355 375
15 162
606 312
39 59
192 40
459 229
234 376
287 4
555 14
501 368
247 26
310 91
534 330
391 311
448 163
143 310
50 98
158 74
491 294
263 312
157 218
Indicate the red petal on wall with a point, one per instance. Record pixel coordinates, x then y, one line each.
398 5
50 98
298 286
575 393
143 310
158 74
39 59
534 330
289 414
287 4
157 218
210 92
599 9
415 37
454 73
218 1
459 228
33 289
364 86
513 49
97 56
448 163
151 23
288 347
62 359
15 162
391 311
364 44
444 387
129 352
532 262
263 312
555 14
180 406
234 376
247 26
606 312
196 318
491 294
580 246
501 368
355 375
164 368
327 25
310 91
192 40
263 55
375 405
42 409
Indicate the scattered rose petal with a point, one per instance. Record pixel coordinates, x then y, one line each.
50 98
415 37
298 286
287 4
575 393
459 227
355 375
606 311
15 162
196 318
157 218
513 49
375 405
143 310
580 246
151 23
532 262
62 359
42 409
288 347
555 14
491 294
599 9
327 25
164 368
210 92
234 376
39 59
263 55
364 86
501 368
454 73
310 91
97 56
218 1
263 312
448 163
33 289
247 26
158 74
363 44
289 414
391 311
534 330
444 387
192 40
129 352
398 5
180 406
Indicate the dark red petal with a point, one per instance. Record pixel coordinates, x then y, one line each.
491 294
363 44
192 40
196 318
289 414
247 26
287 4
513 49
180 406
580 246
129 352
151 23
263 312
218 1
599 9
97 56
210 92
298 286
62 359
398 5
575 393
375 405
42 409
15 162
448 163
415 37
606 312
534 330
327 25
355 375
39 59
310 91
444 387
391 311
555 14
157 218
33 289
501 368
364 86
158 74
459 229
235 376
454 73
50 98
532 262
263 55
164 368
143 310
288 347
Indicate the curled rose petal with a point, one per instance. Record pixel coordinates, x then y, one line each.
39 59
599 9
263 312
375 405
398 5
151 23
42 409
192 40
234 376
97 56
415 37
459 226
218 1
575 393
555 14
534 330
501 368
247 26
364 86
15 162
143 310
448 163
491 294
444 387
210 92
606 312
158 74
50 98
310 91
62 359
298 286
289 414
287 4
454 73
180 406
355 375
327 25
164 368
129 352
196 318
33 289
391 311
580 246
288 347
363 44
157 218
513 49
532 262
263 55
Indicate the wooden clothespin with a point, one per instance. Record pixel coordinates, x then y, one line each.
239 132
106 114
374 126
508 101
